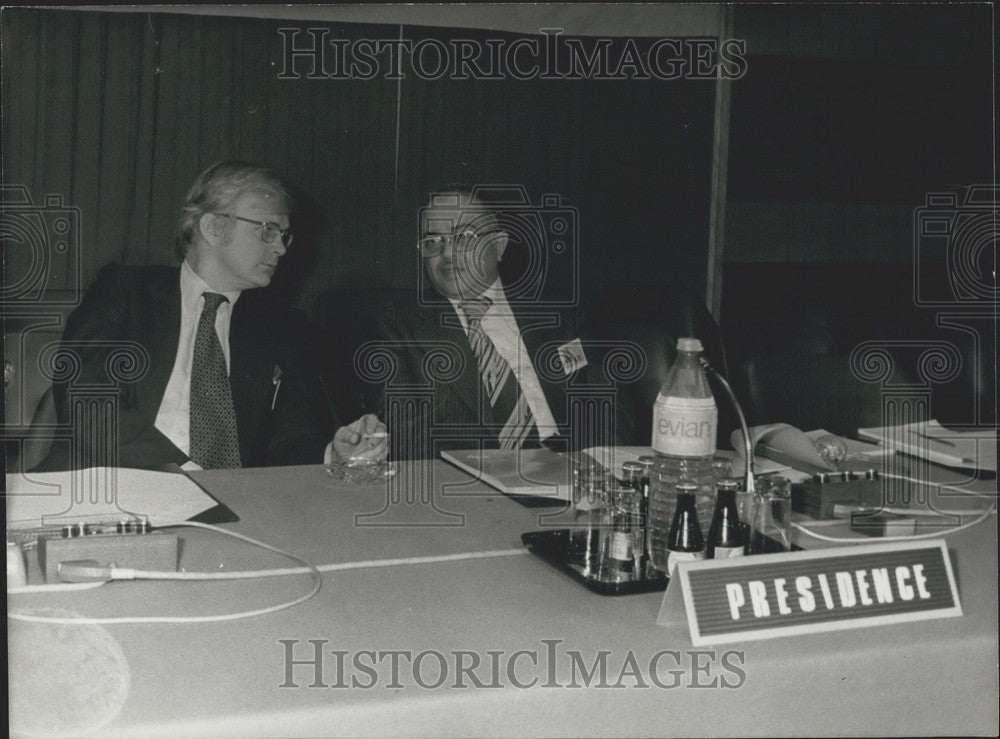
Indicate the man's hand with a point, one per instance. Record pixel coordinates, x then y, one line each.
366 438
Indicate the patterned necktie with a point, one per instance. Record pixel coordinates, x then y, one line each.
214 442
506 399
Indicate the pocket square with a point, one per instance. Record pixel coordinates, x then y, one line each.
276 381
572 357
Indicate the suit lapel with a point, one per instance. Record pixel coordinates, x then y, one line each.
251 369
162 318
443 324
537 331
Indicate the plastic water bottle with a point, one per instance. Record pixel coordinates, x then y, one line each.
685 418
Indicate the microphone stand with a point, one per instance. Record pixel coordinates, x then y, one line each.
748 445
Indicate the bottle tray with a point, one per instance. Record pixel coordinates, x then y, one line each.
553 547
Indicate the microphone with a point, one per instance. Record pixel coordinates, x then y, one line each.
748 480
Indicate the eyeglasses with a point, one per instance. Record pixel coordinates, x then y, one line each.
269 231
431 246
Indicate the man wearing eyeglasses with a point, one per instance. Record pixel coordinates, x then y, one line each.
513 358
226 384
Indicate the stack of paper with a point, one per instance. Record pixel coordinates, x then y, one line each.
931 441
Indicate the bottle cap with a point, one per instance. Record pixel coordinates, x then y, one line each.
687 344
634 468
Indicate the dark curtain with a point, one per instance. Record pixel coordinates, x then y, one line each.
117 113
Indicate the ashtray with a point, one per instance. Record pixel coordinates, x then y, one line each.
360 471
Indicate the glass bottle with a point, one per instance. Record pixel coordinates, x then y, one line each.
648 461
617 540
632 474
726 536
685 541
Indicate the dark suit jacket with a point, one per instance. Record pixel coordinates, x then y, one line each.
142 305
434 399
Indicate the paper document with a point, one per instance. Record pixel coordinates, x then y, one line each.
612 457
102 494
536 472
786 445
931 441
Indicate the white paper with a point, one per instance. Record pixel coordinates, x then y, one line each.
612 457
930 440
102 494
786 444
537 472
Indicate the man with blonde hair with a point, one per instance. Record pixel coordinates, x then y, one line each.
225 384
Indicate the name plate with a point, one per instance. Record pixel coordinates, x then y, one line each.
821 590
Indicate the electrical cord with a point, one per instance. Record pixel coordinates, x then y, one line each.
307 567
101 575
913 537
56 587
106 574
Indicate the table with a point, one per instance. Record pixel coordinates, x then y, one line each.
509 609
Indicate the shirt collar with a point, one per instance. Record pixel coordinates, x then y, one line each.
495 294
192 287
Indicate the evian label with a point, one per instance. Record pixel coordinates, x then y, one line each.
684 427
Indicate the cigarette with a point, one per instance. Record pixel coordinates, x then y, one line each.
375 435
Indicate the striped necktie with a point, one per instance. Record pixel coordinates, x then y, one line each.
214 440
506 399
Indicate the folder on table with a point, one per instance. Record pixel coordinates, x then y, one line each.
533 477
973 448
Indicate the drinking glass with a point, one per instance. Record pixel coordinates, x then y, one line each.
589 514
772 511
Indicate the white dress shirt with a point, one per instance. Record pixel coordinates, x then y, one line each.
500 325
173 419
